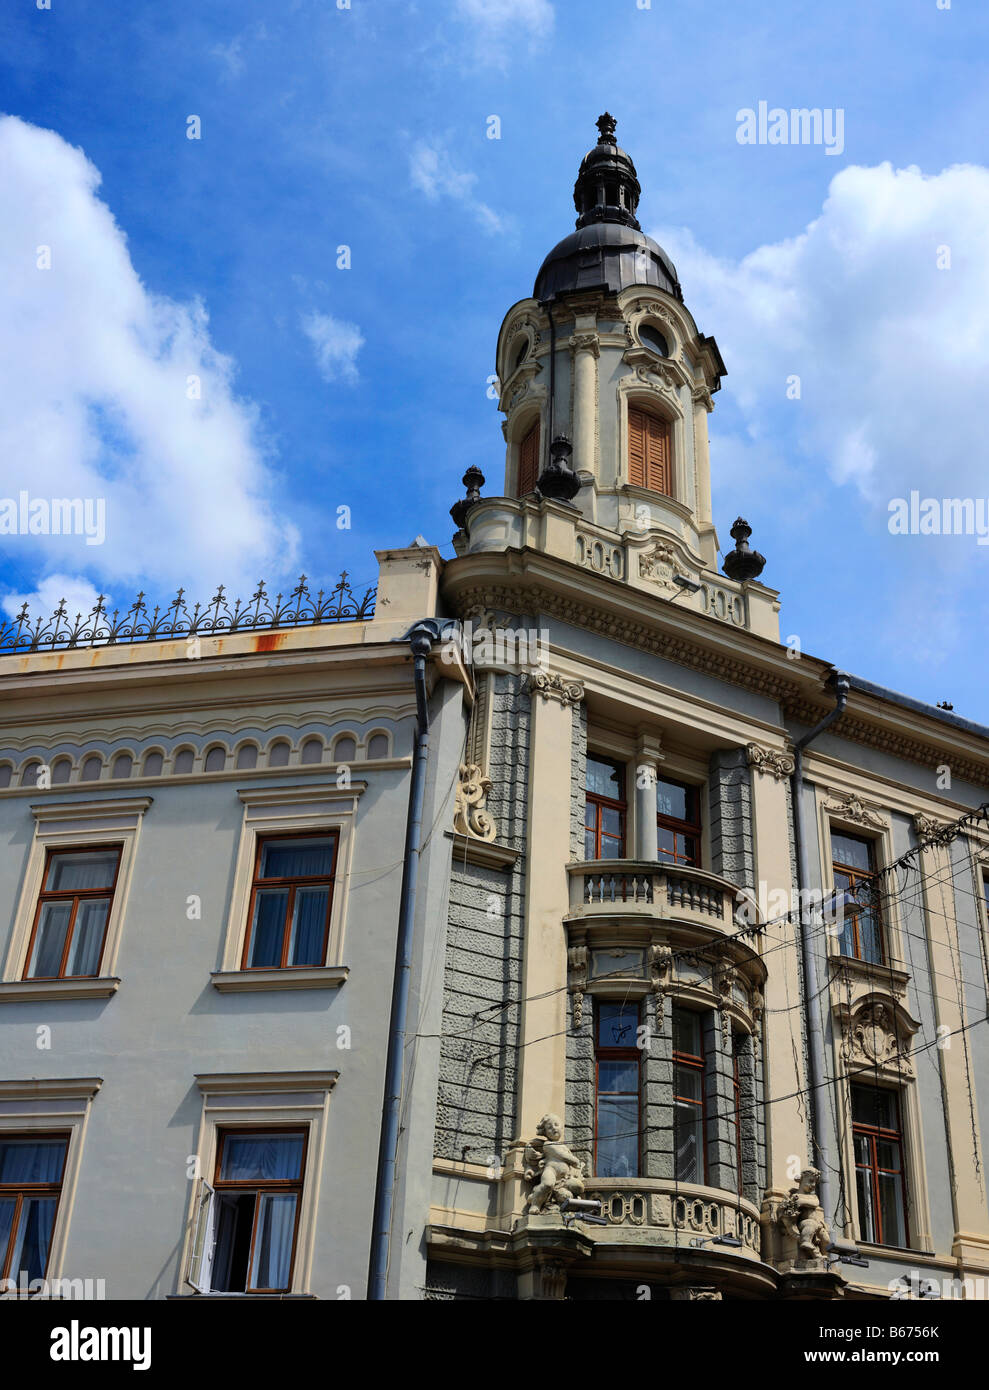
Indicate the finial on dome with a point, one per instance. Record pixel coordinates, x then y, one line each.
606 125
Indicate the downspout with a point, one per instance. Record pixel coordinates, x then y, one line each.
421 638
815 1034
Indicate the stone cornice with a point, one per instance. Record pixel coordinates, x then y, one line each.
526 581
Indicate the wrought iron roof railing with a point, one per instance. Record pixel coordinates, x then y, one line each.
100 627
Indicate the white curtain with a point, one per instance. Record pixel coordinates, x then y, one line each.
273 1242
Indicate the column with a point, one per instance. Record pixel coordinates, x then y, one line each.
585 354
648 756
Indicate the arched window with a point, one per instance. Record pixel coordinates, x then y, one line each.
123 765
377 746
247 756
183 761
312 750
649 458
92 768
529 460
278 754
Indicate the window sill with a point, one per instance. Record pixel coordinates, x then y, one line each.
254 1297
304 977
28 991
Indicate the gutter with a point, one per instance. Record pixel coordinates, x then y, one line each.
815 1034
420 637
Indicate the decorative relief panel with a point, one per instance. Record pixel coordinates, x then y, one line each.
722 603
600 556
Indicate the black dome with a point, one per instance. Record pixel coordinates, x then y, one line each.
608 256
608 251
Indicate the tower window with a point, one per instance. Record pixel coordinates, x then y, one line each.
651 337
521 355
529 461
649 452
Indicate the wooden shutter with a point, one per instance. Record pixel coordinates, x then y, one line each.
529 461
649 452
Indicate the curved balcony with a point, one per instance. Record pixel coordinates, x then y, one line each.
607 887
657 1211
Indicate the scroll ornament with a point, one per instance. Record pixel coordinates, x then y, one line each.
469 816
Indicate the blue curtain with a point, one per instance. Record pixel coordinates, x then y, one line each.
297 859
309 926
261 1157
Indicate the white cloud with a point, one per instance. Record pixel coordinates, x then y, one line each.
79 598
433 173
97 375
891 351
336 345
231 55
496 19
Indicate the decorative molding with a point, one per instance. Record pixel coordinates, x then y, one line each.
296 977
36 991
852 808
796 702
51 1088
876 1035
469 816
586 342
552 686
111 808
660 975
658 565
577 981
485 854
769 761
220 1083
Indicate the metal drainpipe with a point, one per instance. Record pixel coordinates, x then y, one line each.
421 638
815 1034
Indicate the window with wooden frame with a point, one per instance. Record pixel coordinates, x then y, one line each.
529 460
880 1175
689 1118
678 823
291 898
617 1109
31 1169
649 451
605 809
73 909
854 868
247 1221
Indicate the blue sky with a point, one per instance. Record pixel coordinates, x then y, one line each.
366 387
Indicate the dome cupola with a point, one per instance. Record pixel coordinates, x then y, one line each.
608 251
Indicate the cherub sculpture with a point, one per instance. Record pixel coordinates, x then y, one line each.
556 1172
802 1217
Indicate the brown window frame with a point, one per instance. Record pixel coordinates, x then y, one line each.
699 1064
875 1134
647 472
292 884
860 876
532 468
294 1185
682 827
74 895
20 1190
601 803
618 1054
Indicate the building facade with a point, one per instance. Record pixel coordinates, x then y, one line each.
698 978
754 1076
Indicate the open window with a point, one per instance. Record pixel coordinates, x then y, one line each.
246 1221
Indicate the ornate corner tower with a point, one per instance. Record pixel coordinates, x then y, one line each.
606 384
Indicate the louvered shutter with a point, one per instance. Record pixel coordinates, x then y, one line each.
649 452
529 461
637 429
